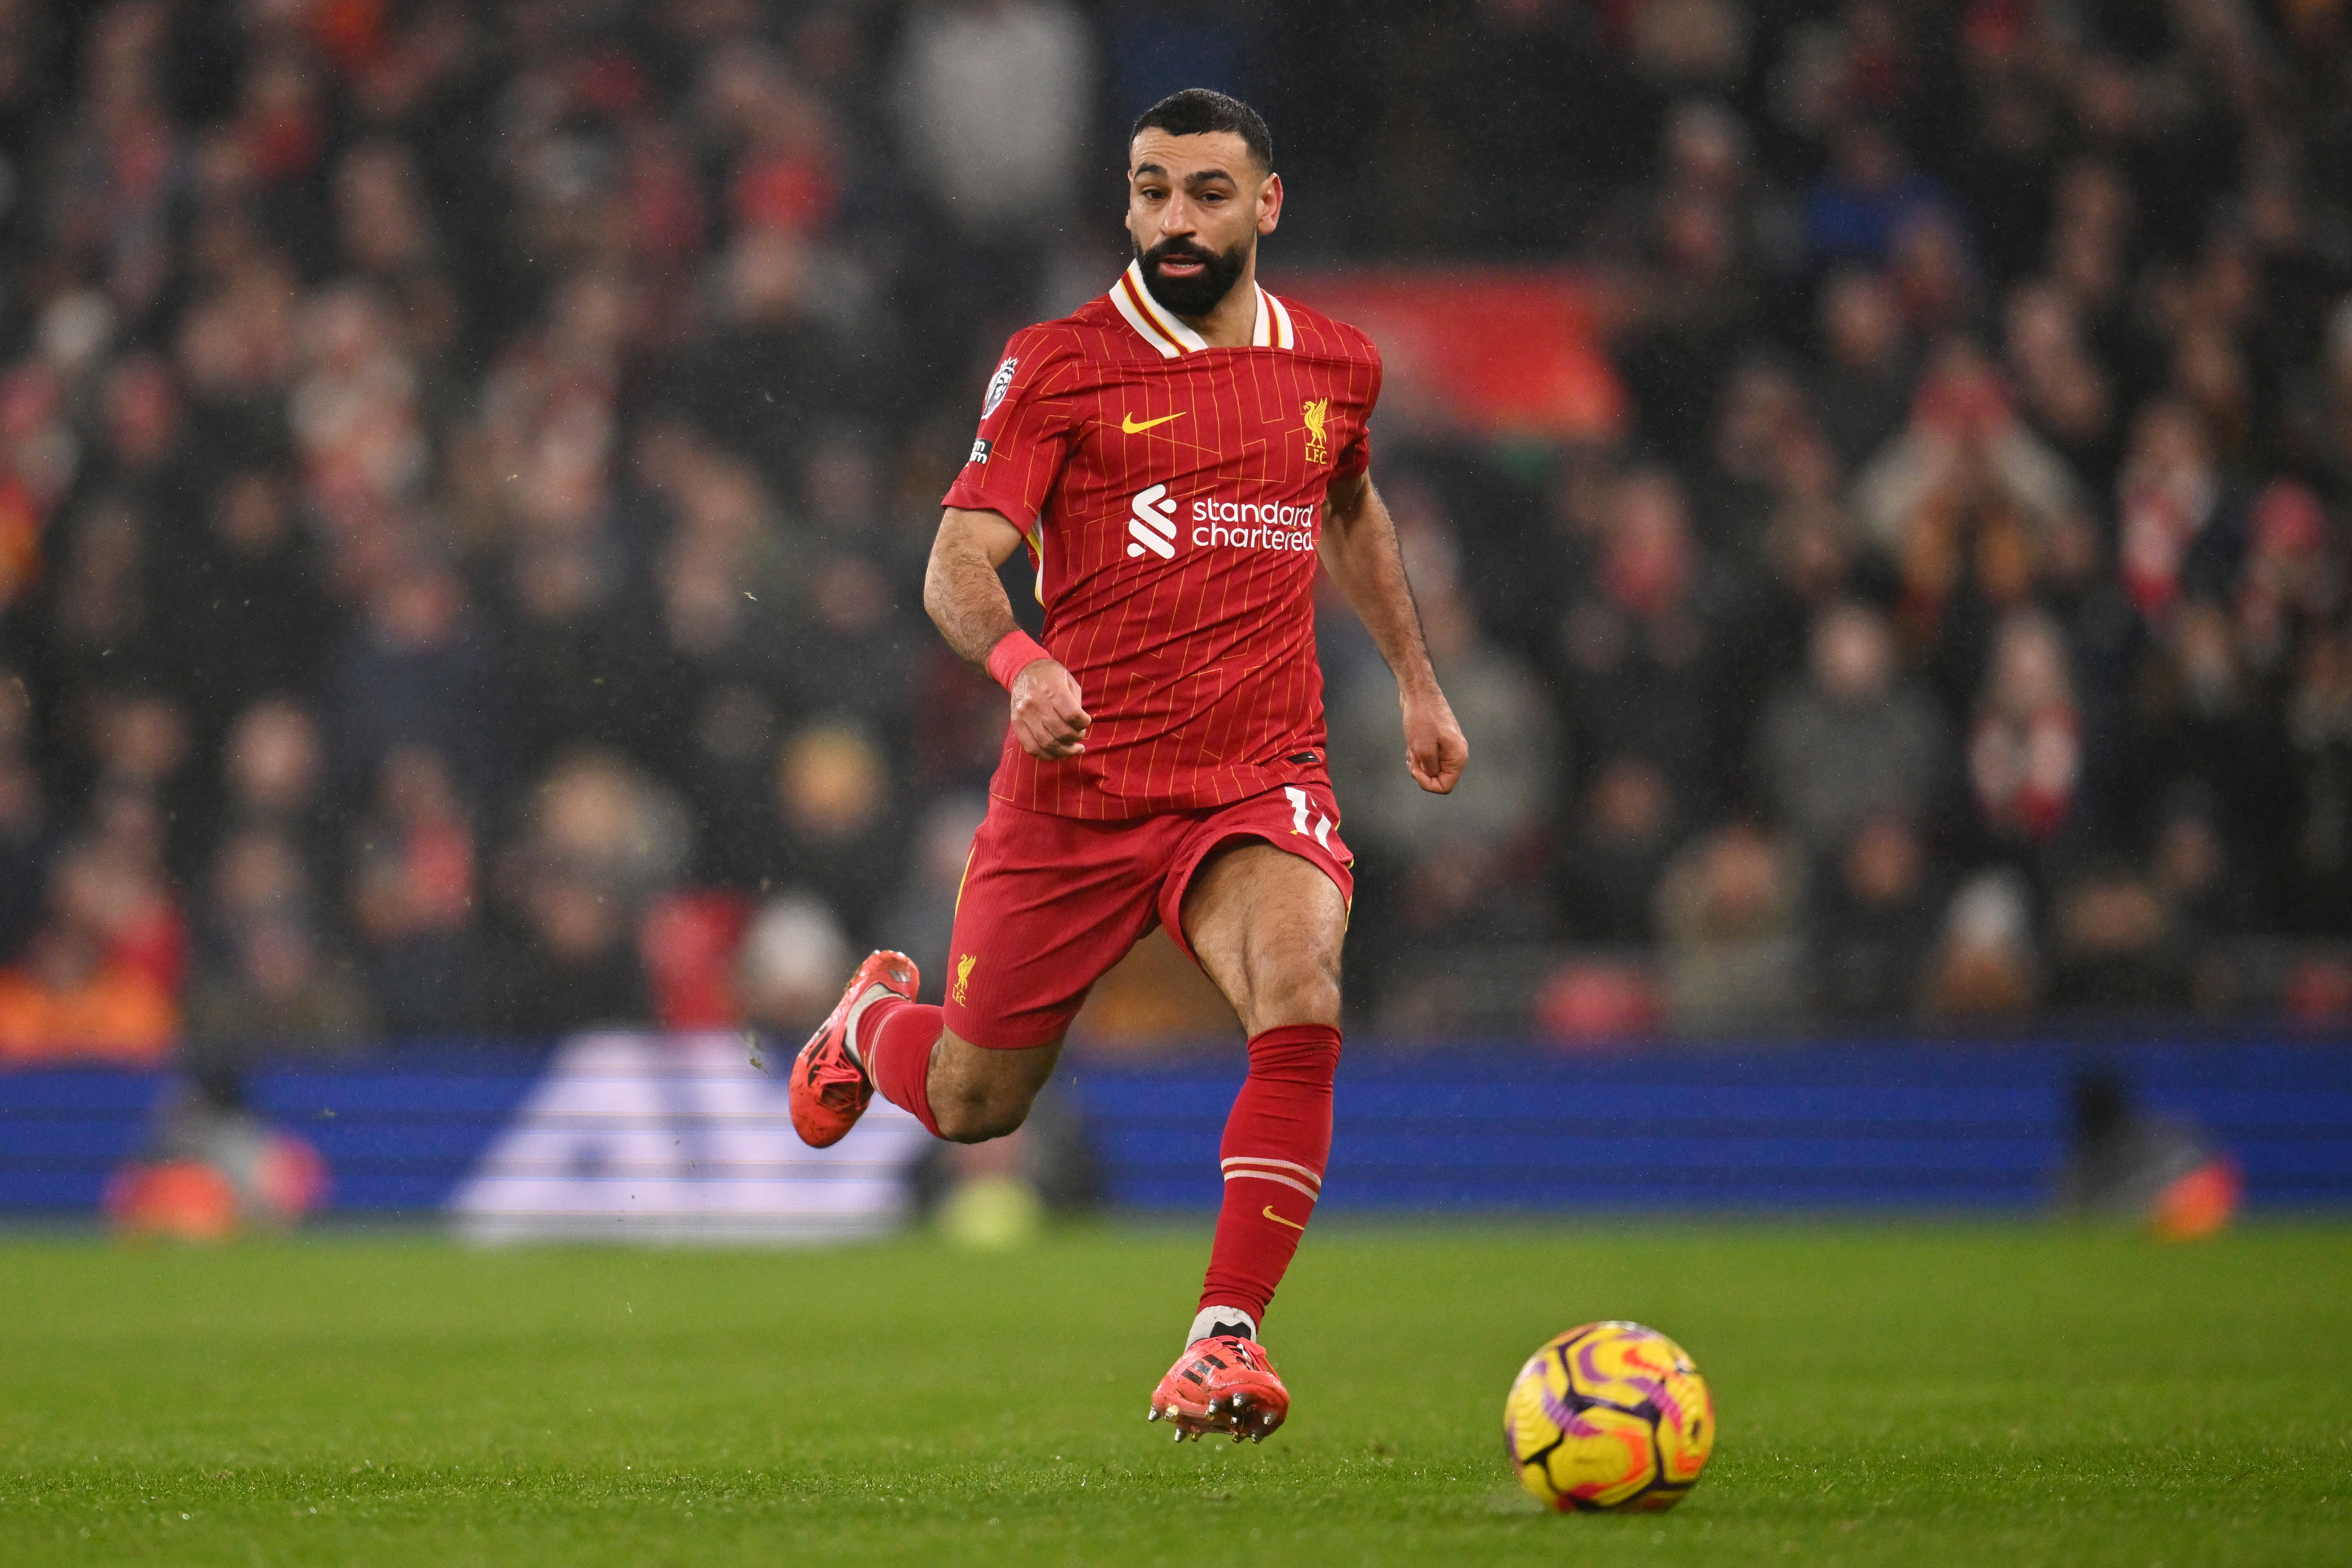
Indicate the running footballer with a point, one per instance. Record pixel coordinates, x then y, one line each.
1176 456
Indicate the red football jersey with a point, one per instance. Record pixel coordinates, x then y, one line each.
1172 495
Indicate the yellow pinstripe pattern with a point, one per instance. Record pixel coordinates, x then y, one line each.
1200 669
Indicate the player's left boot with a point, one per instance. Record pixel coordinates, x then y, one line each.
829 1088
1224 1384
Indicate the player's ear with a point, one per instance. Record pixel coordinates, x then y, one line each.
1269 203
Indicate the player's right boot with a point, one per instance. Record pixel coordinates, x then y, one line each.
1225 1383
829 1089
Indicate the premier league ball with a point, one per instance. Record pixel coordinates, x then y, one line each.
1611 1417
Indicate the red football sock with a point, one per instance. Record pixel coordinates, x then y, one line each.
1277 1141
895 1037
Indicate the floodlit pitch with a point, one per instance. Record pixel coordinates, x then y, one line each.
1889 1394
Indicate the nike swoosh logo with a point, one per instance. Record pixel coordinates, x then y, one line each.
1279 1220
1129 425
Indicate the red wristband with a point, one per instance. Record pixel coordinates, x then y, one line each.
1016 652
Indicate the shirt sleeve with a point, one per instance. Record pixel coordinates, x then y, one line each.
1357 455
1025 431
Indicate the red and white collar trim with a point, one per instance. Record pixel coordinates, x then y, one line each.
1173 338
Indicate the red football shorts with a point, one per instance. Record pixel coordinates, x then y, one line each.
1050 904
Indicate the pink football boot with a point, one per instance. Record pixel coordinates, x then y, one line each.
1226 1384
829 1089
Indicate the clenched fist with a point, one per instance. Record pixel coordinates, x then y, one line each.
1048 714
1435 751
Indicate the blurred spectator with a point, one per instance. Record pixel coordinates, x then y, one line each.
794 958
385 233
249 604
2026 748
1730 914
571 681
2201 717
831 831
141 428
139 740
273 765
726 681
689 941
1964 500
1619 836
785 176
990 101
1696 307
357 428
1809 562
75 993
772 363
2201 874
1689 44
100 611
270 985
1850 740
2093 217
1934 273
2118 949
1876 923
599 841
1864 381
1870 193
2062 390
1986 967
412 895
236 343
417 669
1638 647
1767 451
2295 581
2179 534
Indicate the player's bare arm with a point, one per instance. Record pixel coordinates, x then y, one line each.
966 601
1359 549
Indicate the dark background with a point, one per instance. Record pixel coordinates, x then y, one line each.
465 473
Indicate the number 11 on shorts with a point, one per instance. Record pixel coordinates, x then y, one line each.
1300 805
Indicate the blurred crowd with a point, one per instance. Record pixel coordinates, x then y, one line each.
466 467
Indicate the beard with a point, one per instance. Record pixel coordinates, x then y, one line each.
1197 295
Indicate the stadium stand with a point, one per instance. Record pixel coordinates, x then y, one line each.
465 470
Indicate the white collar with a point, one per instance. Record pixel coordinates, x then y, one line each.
1155 325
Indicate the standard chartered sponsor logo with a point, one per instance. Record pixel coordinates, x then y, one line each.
1217 524
1151 523
1253 525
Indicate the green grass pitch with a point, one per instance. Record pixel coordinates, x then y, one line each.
1989 1396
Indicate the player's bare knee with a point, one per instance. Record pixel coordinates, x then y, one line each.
976 1118
1296 993
977 1094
